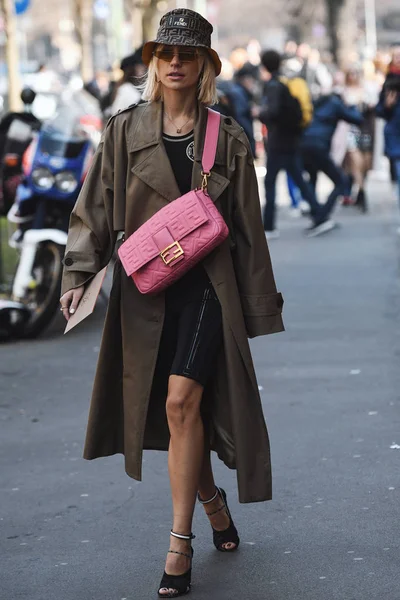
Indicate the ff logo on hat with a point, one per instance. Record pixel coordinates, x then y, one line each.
180 23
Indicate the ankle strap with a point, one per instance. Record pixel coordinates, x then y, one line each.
180 553
211 499
181 536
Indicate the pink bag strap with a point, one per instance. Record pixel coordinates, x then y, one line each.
210 144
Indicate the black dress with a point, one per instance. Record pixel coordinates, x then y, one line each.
192 332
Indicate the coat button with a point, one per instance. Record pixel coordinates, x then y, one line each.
68 262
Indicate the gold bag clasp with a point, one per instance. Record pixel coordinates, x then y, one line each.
171 253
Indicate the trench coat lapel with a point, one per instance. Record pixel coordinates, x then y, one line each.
153 165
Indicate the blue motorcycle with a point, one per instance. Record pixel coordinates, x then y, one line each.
55 166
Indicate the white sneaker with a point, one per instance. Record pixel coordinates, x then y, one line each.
323 227
272 235
295 212
305 208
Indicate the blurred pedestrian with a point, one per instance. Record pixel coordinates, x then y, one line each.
360 140
225 104
329 109
295 197
389 109
282 114
159 352
316 74
291 69
243 93
238 57
126 91
290 50
254 52
99 87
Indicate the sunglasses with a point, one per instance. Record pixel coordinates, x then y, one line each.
185 55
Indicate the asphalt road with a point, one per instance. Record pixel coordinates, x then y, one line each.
77 530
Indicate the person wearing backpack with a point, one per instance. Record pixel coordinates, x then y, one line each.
283 115
298 87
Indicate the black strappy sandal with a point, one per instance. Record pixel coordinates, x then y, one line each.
180 583
229 535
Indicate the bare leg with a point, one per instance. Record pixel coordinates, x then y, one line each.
185 458
355 161
220 520
367 165
206 483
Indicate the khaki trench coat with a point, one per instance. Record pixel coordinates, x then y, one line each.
131 179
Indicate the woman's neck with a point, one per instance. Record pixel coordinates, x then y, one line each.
180 103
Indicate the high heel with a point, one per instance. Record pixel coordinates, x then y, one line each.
180 583
229 535
361 201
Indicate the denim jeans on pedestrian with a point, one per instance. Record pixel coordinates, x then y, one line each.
317 160
294 192
290 162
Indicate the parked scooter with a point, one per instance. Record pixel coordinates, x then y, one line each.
16 132
55 166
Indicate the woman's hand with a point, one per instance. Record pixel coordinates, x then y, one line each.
391 99
70 300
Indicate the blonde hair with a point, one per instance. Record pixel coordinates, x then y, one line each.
207 88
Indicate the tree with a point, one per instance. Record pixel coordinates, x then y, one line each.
300 18
340 17
14 87
342 28
149 11
83 10
334 8
142 14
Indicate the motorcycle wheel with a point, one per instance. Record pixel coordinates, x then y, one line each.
43 299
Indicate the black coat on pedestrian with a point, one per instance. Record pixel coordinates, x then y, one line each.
391 116
242 100
282 136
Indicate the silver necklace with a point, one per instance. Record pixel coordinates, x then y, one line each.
178 129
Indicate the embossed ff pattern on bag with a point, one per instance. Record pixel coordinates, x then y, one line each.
179 235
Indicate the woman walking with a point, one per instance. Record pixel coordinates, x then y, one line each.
175 371
363 95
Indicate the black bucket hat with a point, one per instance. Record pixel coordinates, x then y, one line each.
183 27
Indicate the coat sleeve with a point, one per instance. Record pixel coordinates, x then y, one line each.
261 303
91 237
381 109
350 114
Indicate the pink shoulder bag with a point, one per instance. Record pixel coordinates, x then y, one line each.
179 235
